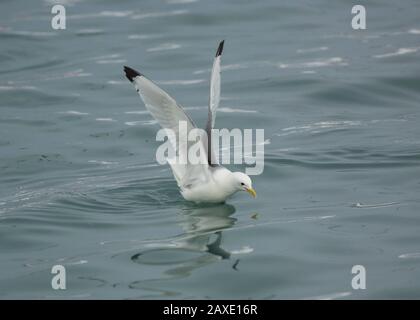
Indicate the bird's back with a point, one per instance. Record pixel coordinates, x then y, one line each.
217 189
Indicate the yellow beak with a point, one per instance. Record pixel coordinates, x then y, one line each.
251 192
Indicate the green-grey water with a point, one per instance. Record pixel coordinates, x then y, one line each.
80 186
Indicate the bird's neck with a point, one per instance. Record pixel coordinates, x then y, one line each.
224 178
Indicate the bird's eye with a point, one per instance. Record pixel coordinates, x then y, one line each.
242 184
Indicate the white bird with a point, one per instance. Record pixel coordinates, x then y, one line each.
207 181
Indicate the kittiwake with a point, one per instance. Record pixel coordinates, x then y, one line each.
207 181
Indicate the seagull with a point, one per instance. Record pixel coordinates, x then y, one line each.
208 181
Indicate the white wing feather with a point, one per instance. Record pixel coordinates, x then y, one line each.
168 114
214 100
215 89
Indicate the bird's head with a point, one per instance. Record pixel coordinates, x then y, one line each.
243 183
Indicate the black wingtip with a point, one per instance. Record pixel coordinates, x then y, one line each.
131 73
220 48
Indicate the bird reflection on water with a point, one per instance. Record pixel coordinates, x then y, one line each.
198 246
203 233
202 224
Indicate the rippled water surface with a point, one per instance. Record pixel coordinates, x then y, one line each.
80 187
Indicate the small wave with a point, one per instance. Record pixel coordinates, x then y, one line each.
378 205
233 110
336 125
102 14
414 255
77 263
330 296
159 14
117 82
335 61
182 82
310 50
243 250
414 31
107 56
137 112
136 123
142 36
71 296
164 47
110 61
12 88
195 108
399 52
103 162
118 14
24 33
74 112
324 124
315 127
235 66
70 74
87 32
343 35
282 221
105 119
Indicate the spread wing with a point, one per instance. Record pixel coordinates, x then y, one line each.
214 101
168 114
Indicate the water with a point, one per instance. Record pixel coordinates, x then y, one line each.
80 185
